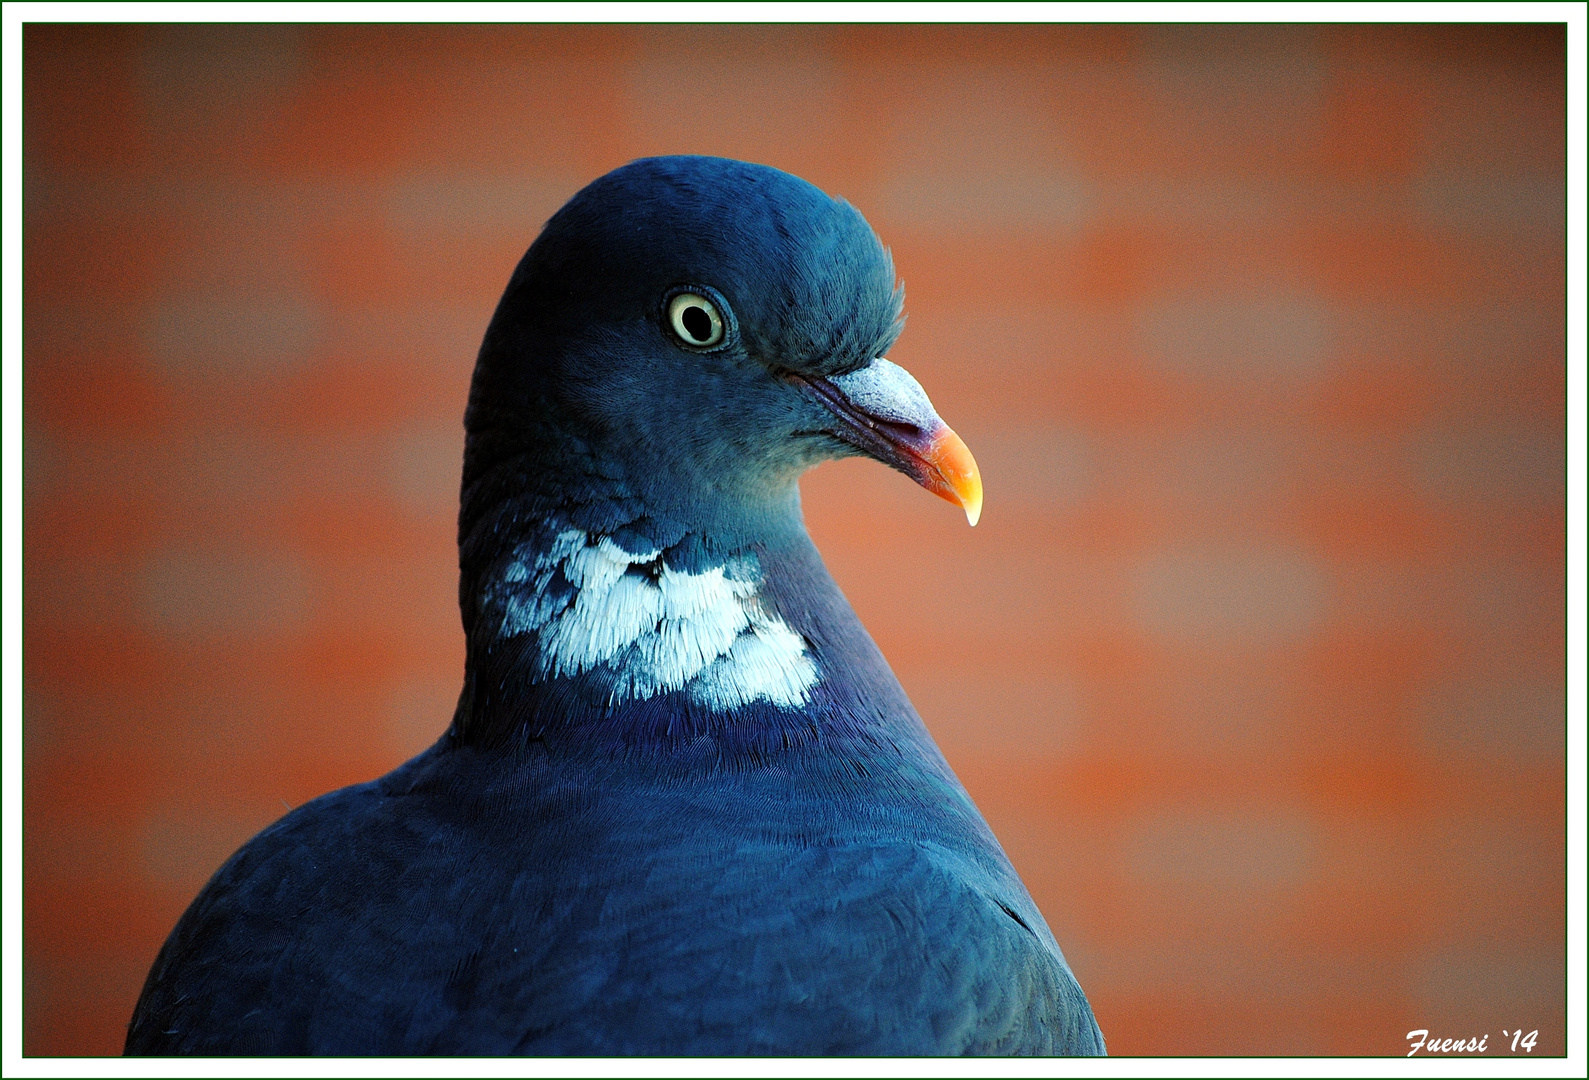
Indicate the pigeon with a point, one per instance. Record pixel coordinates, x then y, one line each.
683 806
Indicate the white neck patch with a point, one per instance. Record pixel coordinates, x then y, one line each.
657 628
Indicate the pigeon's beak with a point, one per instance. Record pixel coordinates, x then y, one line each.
884 413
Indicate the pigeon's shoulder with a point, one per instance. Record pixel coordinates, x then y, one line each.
242 970
894 947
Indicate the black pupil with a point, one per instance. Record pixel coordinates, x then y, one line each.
697 323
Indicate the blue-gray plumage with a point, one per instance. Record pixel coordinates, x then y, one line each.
683 806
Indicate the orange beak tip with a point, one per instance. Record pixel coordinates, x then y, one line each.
951 459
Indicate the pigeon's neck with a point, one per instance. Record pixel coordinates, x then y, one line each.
600 608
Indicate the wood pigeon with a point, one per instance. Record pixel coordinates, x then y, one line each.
683 807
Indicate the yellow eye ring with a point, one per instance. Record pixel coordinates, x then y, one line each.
695 320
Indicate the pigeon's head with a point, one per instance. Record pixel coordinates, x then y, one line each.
701 331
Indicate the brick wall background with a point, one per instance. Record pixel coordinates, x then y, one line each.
1255 664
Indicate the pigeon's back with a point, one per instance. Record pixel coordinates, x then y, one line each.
647 916
684 807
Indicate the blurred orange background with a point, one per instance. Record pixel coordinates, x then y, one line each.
1255 664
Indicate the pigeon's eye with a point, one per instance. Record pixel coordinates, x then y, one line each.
695 319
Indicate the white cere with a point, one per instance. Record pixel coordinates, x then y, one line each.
885 390
695 319
656 628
